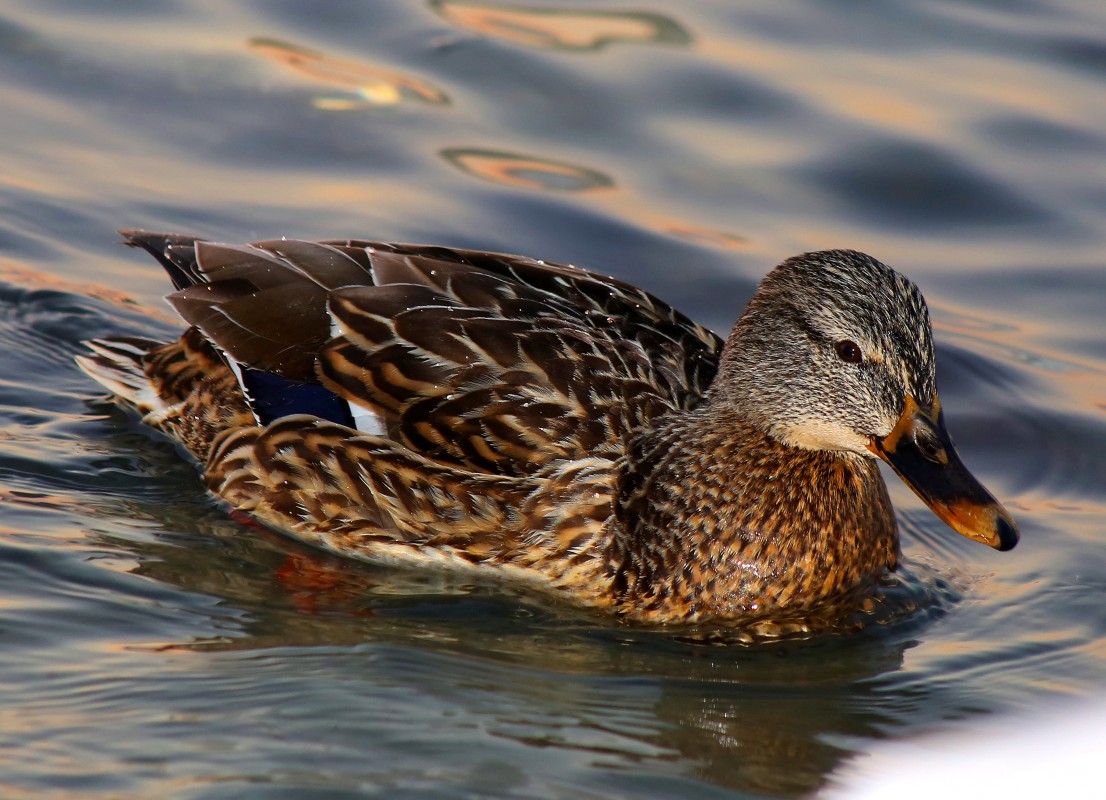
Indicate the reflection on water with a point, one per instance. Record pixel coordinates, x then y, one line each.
527 172
371 85
561 27
1001 340
686 151
22 278
753 719
699 235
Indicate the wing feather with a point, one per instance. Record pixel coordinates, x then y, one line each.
477 360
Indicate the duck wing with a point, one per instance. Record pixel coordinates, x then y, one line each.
503 363
488 362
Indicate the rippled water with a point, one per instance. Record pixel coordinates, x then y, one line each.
153 647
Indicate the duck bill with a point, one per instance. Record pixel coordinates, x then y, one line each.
920 451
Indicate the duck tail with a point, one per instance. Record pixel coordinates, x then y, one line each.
262 310
183 388
117 364
175 252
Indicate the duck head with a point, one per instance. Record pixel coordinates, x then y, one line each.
835 352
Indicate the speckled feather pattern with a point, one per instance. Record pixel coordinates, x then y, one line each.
540 420
818 299
785 531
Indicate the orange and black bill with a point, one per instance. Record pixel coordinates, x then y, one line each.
921 453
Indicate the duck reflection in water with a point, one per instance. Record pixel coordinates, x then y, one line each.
774 719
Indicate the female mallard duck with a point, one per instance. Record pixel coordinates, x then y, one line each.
429 405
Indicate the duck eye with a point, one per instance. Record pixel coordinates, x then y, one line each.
849 352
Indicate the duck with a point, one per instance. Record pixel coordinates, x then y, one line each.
437 407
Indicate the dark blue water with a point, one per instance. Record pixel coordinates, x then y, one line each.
150 646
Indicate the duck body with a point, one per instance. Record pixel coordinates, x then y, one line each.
425 405
721 521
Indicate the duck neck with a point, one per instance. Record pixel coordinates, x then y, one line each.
721 520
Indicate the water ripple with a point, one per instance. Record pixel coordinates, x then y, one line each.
561 27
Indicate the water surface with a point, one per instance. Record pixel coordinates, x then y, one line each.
152 646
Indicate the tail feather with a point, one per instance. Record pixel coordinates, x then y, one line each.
175 252
117 365
184 388
263 308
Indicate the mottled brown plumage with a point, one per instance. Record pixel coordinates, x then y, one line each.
557 426
762 529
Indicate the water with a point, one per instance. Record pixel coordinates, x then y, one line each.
151 646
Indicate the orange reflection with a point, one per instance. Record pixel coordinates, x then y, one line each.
19 183
561 28
522 171
885 106
39 500
700 235
526 172
372 86
19 275
316 585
